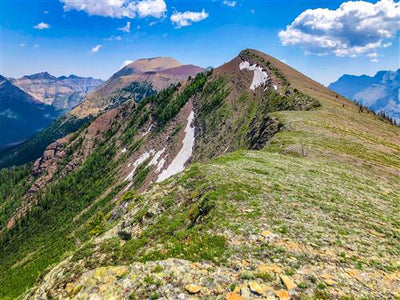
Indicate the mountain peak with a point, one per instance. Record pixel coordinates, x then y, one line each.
144 65
41 75
154 64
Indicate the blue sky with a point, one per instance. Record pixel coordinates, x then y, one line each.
60 36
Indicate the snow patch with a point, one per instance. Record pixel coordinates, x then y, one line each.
140 160
160 165
178 164
148 130
127 187
156 161
260 77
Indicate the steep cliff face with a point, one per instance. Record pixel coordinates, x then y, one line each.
248 181
62 92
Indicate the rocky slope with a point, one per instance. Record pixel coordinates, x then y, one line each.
379 93
20 114
284 194
63 92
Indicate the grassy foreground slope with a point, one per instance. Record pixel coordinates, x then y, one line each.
314 214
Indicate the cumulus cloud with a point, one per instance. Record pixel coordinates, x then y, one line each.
41 26
36 46
126 28
118 8
229 3
355 28
96 49
182 19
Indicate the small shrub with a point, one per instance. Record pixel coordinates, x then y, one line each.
265 276
158 269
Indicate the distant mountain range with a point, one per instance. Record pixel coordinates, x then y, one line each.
62 92
379 93
30 103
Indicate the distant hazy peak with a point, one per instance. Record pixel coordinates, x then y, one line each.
144 65
41 75
379 92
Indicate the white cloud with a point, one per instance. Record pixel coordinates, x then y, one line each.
96 49
46 12
118 8
113 38
126 28
373 56
22 45
182 19
36 46
355 28
253 11
229 3
41 26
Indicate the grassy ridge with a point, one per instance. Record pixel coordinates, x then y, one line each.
329 216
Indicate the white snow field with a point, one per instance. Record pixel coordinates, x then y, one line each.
178 163
148 130
140 160
260 76
156 161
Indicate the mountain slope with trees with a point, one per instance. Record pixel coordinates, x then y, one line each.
289 191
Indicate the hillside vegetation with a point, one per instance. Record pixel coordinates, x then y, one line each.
291 192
